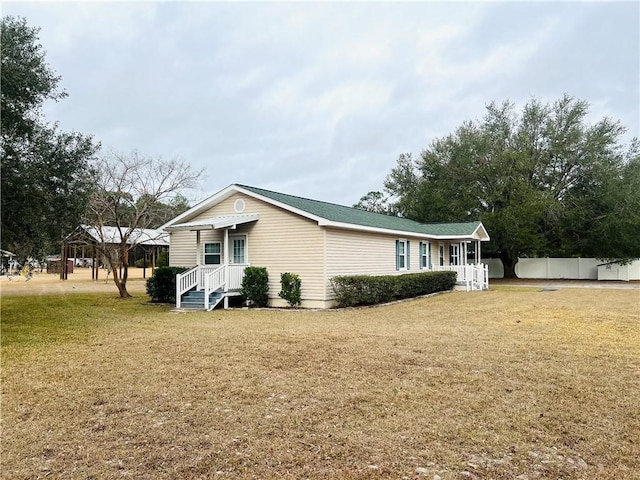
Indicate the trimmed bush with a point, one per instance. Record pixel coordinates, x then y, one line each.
161 287
290 288
354 290
255 286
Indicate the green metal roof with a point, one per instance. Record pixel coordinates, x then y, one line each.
355 216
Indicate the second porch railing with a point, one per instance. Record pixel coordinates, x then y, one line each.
472 276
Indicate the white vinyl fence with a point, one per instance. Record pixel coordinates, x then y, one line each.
565 268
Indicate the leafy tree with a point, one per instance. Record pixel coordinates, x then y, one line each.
45 174
128 190
159 213
542 181
374 201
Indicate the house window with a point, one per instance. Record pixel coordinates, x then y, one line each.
212 253
471 252
441 255
454 254
402 254
425 256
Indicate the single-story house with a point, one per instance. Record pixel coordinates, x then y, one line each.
242 225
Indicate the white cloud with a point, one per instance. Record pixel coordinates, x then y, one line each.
319 99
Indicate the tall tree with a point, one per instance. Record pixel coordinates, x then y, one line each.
542 181
45 174
129 190
374 201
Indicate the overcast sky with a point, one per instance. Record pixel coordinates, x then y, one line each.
319 99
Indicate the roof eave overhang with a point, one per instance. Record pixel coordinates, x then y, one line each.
403 233
203 206
230 223
478 234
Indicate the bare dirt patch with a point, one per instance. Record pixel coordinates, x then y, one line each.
489 385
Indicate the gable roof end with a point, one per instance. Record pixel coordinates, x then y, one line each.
339 216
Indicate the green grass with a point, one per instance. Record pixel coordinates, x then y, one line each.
36 320
485 385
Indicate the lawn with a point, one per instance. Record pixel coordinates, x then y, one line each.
505 384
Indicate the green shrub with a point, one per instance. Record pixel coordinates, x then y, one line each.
163 259
291 288
161 287
353 290
255 286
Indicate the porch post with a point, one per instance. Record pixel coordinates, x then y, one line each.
478 255
198 247
226 268
226 260
226 248
463 252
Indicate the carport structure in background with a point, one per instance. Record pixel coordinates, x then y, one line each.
146 244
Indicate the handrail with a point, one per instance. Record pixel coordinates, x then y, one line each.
213 281
185 281
209 278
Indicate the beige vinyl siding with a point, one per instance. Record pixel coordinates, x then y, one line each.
361 253
182 251
281 241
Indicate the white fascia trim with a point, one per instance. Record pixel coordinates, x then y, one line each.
230 221
281 205
480 233
226 193
364 228
203 205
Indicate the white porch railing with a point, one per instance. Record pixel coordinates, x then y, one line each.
210 278
213 281
186 281
235 274
472 276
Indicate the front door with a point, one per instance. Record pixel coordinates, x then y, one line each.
238 253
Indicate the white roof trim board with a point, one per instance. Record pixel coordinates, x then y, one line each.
214 223
479 233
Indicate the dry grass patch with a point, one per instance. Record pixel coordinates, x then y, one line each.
499 384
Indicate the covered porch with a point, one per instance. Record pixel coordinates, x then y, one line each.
220 262
464 258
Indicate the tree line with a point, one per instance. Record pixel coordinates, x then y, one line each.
52 181
544 181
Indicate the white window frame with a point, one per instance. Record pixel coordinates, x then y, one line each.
425 256
454 254
246 249
205 254
403 256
